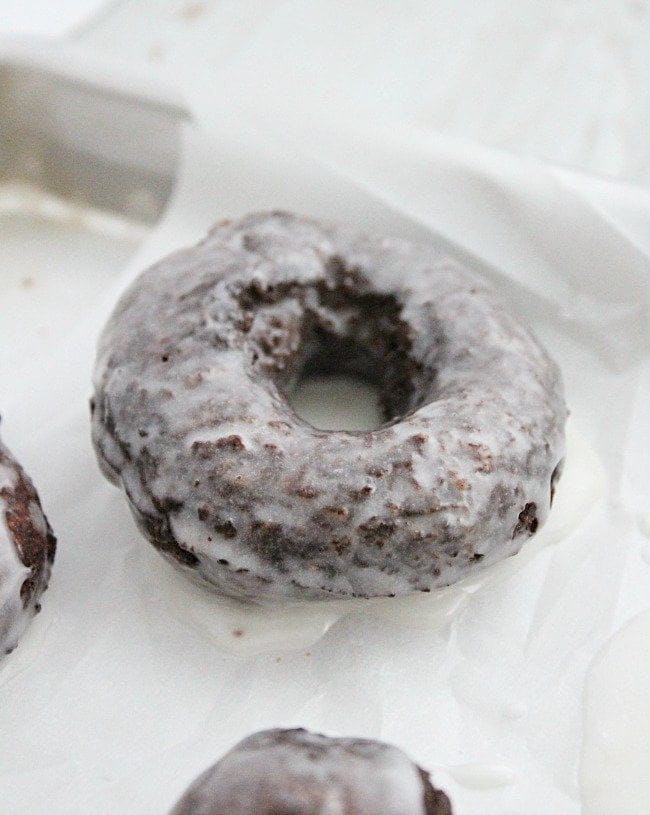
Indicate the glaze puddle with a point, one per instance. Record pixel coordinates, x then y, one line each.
248 629
482 776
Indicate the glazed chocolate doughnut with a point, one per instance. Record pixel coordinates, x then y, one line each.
190 414
27 548
293 771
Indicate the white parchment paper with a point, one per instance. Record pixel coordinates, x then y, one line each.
124 688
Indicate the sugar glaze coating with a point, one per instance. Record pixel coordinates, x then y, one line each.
190 414
294 771
27 548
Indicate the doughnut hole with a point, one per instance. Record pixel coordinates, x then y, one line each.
338 344
337 402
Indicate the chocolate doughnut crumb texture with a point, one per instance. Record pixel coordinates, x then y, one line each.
190 414
278 771
27 548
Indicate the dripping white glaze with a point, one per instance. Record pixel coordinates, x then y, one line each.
482 776
249 629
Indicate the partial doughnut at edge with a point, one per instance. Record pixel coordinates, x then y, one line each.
302 773
27 549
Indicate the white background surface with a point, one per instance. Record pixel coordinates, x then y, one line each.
365 112
565 80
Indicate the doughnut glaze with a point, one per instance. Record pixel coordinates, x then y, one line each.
302 773
191 418
27 548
